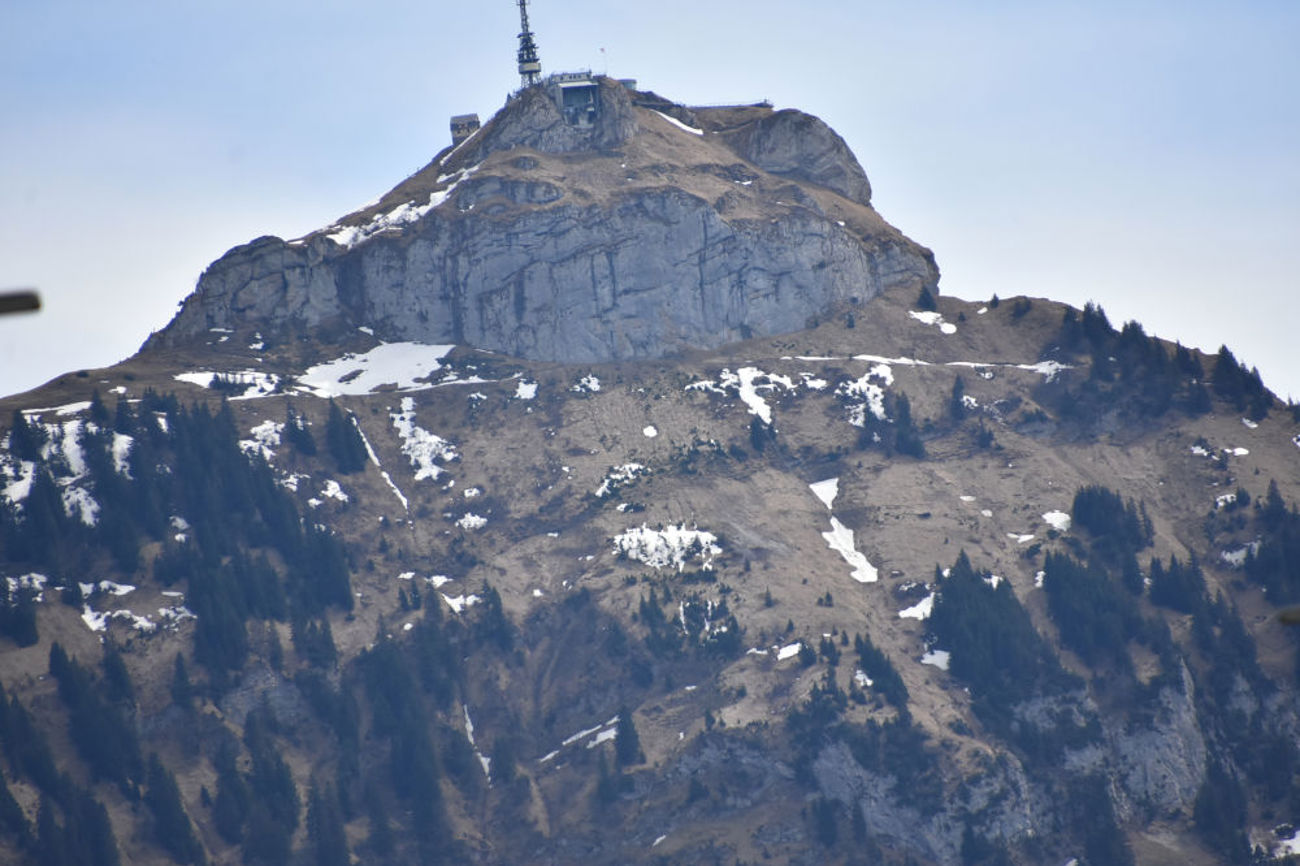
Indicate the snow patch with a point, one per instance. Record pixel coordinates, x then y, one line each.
266 438
459 603
932 318
107 587
33 581
1049 370
403 366
254 382
682 126
420 446
867 394
650 431
586 385
1287 846
64 410
840 540
789 651
78 501
397 491
620 476
673 546
122 445
16 491
1058 520
471 522
402 215
746 383
826 490
603 737
937 658
332 490
921 610
526 390
98 621
173 616
1237 558
881 359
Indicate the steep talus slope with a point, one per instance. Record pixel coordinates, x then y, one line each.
737 552
638 237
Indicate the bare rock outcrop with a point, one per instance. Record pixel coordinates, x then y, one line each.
802 147
632 235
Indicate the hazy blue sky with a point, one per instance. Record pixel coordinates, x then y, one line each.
1145 155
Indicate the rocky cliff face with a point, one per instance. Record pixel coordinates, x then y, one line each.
635 237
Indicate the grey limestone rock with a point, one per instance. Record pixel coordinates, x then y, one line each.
507 255
533 121
793 144
1001 801
1160 767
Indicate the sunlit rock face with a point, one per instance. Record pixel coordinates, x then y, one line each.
652 229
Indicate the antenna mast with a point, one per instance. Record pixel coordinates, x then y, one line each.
530 67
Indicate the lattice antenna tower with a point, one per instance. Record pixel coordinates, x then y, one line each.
530 67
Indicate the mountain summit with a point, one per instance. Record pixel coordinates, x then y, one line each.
348 567
585 222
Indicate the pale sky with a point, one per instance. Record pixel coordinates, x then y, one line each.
1144 155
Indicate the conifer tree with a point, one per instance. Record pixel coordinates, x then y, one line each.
1220 814
18 614
627 744
117 679
298 434
907 440
233 803
104 737
98 411
124 420
172 826
957 402
381 832
12 819
182 690
325 828
90 833
885 678
51 844
343 439
26 438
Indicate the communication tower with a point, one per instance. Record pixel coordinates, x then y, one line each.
530 67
